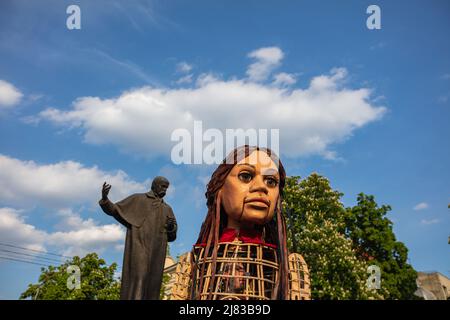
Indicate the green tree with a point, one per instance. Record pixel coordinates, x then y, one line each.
316 223
165 279
96 281
165 282
373 238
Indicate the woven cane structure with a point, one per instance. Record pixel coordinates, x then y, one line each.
244 271
181 284
236 283
299 283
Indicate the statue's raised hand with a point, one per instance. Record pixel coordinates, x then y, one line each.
105 190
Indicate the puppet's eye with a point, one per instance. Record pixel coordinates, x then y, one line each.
245 176
271 182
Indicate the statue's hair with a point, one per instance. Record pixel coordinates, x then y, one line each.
157 180
273 231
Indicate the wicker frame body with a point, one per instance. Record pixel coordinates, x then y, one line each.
299 283
244 271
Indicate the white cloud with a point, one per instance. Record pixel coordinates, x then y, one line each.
185 79
206 78
184 67
284 79
332 155
82 241
9 95
14 230
267 59
310 120
79 237
62 184
431 221
421 206
72 221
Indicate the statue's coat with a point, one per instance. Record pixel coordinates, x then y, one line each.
150 224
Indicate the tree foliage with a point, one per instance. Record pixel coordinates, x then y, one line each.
315 221
340 243
165 279
373 238
96 281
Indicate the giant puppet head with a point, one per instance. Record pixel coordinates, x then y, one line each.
244 199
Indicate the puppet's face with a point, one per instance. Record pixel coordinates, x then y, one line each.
250 192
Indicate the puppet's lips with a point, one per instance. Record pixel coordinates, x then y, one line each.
258 201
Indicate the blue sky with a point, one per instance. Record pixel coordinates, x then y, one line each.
369 109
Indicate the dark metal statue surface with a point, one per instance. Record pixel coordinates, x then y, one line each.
150 224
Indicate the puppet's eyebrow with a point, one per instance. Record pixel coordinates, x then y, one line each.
269 171
247 164
265 171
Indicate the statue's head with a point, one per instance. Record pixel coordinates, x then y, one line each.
159 186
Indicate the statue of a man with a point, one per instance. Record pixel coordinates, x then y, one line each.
150 224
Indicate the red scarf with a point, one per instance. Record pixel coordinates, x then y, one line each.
244 235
